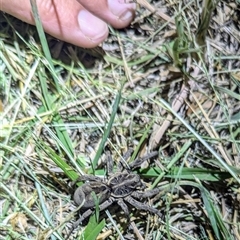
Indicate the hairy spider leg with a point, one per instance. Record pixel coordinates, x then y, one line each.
109 163
138 161
146 194
122 164
139 205
124 206
86 214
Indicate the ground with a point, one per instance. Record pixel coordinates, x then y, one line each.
170 82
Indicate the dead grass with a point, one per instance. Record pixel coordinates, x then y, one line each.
170 82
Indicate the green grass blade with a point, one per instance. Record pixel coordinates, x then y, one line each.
205 144
214 216
93 229
204 21
62 134
49 103
57 159
44 208
44 41
108 129
172 162
186 173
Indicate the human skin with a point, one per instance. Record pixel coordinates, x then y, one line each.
80 22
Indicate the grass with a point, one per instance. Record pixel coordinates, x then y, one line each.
169 82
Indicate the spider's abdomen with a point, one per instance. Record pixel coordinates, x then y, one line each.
87 194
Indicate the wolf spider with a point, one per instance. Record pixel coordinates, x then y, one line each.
121 186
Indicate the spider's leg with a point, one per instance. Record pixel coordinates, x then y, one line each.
138 161
106 204
86 214
102 206
83 216
146 194
139 205
122 164
109 163
79 221
127 154
124 206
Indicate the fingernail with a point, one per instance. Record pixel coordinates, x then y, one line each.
123 11
91 26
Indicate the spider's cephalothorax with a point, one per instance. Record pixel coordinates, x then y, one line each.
122 186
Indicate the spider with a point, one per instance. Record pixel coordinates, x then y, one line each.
122 186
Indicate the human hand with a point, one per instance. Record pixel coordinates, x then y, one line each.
82 22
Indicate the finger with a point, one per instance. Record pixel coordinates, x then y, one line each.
65 20
118 13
